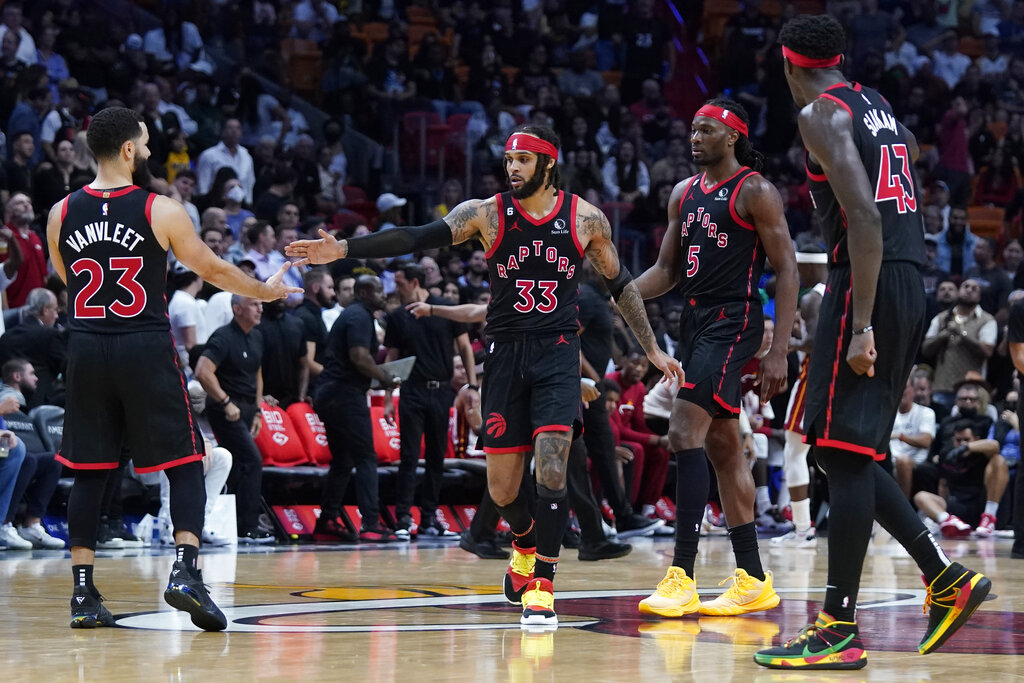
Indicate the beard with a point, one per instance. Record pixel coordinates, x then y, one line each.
534 183
140 172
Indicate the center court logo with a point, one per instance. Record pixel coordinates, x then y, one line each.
495 425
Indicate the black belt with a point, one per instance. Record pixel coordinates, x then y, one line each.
428 383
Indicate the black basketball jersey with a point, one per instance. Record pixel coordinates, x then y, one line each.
116 268
886 158
533 266
724 255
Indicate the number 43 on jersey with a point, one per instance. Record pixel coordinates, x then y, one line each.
894 180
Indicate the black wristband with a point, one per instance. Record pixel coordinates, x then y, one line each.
616 286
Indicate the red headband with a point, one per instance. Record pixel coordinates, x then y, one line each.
524 142
725 116
808 63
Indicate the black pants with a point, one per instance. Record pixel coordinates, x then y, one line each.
600 443
423 415
581 495
346 418
246 478
36 482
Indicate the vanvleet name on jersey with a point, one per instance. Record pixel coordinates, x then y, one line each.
100 231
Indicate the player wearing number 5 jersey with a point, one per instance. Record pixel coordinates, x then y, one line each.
860 166
535 237
722 224
109 242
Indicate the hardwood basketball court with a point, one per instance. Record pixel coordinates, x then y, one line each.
434 612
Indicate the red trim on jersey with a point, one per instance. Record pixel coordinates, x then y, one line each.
703 176
173 463
732 203
503 451
817 177
572 222
107 194
550 428
837 101
836 360
85 465
847 446
545 219
64 209
689 385
795 418
686 192
857 88
184 387
719 401
501 227
149 207
746 316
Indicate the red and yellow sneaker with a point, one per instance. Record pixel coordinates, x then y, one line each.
519 573
539 604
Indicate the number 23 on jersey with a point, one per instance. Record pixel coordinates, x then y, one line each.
128 268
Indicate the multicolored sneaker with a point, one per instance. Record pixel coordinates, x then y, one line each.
187 592
825 644
675 596
746 594
519 573
952 598
87 610
539 604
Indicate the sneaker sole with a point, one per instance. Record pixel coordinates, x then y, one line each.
734 610
534 620
979 591
670 612
179 600
834 661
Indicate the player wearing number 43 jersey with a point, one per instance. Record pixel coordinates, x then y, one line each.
860 165
722 224
536 237
109 242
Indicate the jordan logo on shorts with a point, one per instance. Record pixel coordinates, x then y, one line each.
561 340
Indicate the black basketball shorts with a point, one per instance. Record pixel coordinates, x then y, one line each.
125 390
715 342
855 412
530 386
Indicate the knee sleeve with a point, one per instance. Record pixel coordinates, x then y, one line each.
797 469
84 508
188 497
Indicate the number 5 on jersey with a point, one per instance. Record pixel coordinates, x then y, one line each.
898 186
130 266
527 302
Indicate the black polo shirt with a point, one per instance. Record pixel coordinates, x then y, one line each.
354 327
598 330
284 345
430 339
238 357
309 314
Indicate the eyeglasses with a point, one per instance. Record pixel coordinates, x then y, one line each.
966 398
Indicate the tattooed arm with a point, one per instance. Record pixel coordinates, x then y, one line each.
595 234
475 218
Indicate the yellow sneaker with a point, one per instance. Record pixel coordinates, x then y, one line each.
539 604
675 596
519 573
746 594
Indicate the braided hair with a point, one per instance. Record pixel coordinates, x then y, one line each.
745 152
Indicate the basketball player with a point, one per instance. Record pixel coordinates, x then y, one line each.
813 271
722 224
860 166
535 239
108 242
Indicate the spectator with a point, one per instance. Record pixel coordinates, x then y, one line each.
233 198
1007 431
11 69
27 117
217 463
66 119
954 160
273 199
229 370
213 237
474 278
956 244
533 76
176 45
285 373
314 20
178 159
188 324
228 152
54 181
949 63
40 343
997 183
184 184
56 67
10 466
912 436
579 80
993 63
626 178
921 380
389 86
976 476
1013 254
649 49
930 273
959 340
583 177
12 23
995 283
340 401
264 250
319 295
18 167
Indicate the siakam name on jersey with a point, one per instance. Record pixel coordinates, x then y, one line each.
550 254
99 231
877 120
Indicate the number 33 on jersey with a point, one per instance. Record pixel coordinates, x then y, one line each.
117 270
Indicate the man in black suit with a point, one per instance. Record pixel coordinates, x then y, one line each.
37 340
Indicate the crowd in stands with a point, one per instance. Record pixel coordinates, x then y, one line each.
273 119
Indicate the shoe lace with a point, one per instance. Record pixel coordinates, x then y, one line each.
739 583
673 583
539 597
806 633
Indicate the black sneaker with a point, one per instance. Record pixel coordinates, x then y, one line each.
257 537
485 550
187 592
120 530
106 537
571 538
634 524
406 528
605 550
826 644
333 530
434 529
1017 551
87 610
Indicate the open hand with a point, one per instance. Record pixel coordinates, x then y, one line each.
276 288
318 251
